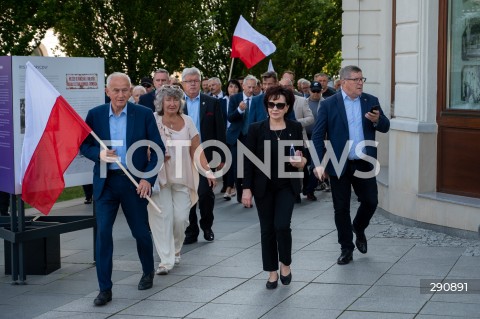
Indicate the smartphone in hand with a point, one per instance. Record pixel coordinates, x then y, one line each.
374 108
293 157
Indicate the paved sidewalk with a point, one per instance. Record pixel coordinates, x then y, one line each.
224 279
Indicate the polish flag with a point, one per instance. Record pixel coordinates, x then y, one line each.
53 134
249 45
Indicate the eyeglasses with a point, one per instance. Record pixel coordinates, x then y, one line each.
146 85
315 91
280 106
118 91
357 80
192 82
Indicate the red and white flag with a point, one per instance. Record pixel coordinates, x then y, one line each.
53 134
249 45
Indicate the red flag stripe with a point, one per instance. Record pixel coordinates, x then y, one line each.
247 51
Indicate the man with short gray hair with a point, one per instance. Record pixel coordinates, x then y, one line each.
350 116
127 123
160 78
322 78
238 116
206 114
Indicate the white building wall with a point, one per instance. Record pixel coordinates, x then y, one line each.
409 150
366 42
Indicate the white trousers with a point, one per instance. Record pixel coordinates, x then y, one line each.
168 228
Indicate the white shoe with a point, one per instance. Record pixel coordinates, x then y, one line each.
177 259
162 270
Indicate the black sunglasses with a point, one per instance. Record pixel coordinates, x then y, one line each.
146 85
280 106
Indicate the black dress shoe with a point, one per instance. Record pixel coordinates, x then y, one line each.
208 235
360 241
286 279
272 284
147 281
190 240
103 297
345 257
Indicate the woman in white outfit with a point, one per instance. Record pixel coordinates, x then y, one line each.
175 191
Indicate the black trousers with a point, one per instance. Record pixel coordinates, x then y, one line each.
88 191
206 202
367 193
275 214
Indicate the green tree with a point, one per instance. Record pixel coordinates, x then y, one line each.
307 35
23 25
136 36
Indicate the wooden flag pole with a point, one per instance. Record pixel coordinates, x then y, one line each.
231 69
125 170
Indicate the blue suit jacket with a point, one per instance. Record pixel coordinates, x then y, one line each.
235 118
141 125
147 100
256 113
332 125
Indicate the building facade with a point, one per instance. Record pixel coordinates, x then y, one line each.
422 59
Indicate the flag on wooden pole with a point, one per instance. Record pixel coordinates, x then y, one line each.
53 134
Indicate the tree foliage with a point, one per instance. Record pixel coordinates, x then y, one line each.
308 37
138 36
23 25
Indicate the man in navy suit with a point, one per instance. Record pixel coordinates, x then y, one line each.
352 116
206 114
123 123
239 109
160 78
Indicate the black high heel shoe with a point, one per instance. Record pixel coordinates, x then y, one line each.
272 284
286 279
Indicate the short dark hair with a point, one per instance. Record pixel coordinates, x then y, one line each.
270 74
275 92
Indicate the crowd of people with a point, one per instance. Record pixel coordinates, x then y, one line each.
258 137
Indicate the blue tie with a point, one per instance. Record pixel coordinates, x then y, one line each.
245 118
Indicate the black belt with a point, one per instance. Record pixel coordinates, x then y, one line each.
115 172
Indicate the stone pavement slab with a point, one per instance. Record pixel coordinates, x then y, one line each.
224 278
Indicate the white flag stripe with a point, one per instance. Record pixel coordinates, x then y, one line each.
39 91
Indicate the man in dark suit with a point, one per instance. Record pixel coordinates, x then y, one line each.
160 78
239 108
327 91
123 123
215 86
206 114
350 116
257 108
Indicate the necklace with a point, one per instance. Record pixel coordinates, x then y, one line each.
278 135
170 123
